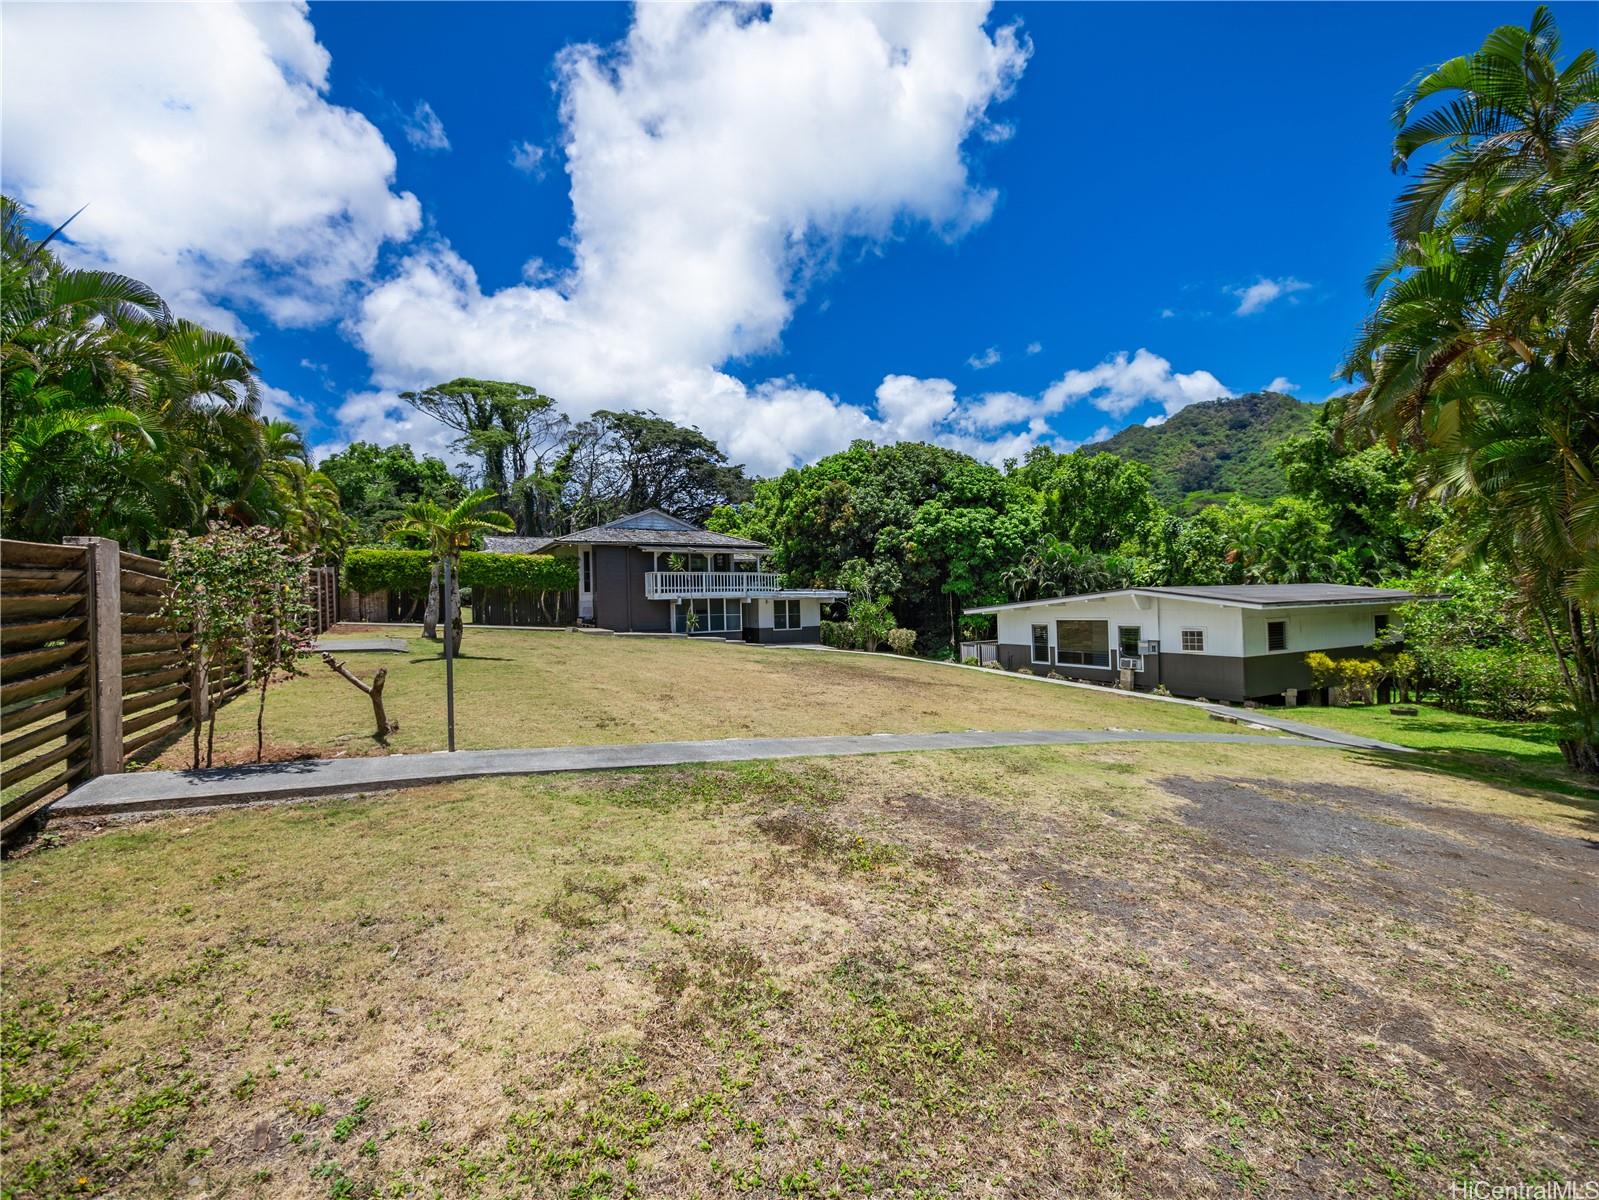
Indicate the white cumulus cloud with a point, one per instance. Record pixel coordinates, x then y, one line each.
1282 384
717 156
987 358
528 159
424 130
1263 291
1122 383
201 140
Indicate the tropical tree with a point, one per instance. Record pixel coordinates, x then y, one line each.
447 532
1482 353
118 419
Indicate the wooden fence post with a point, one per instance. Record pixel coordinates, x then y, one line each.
105 653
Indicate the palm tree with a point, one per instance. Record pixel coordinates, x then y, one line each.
1483 349
1514 119
449 531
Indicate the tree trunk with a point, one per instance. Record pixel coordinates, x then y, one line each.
260 723
374 691
199 690
430 616
1580 755
453 609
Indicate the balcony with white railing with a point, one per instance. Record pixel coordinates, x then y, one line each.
677 585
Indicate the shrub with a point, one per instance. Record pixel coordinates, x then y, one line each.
1024 670
380 568
901 641
520 572
1503 683
1358 675
838 634
995 664
971 660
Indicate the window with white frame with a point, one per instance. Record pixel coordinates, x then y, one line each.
785 614
1040 643
1276 635
1193 641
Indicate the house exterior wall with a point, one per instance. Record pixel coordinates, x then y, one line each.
619 601
764 629
1234 665
1341 631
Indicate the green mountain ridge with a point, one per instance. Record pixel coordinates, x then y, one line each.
1218 448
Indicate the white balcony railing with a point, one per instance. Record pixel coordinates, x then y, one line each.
675 585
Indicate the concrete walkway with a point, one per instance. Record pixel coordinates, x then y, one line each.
359 644
158 791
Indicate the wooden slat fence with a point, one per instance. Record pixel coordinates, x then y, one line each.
45 675
323 596
92 678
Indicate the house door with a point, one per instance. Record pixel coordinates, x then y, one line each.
585 585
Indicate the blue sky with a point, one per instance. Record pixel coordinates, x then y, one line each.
987 228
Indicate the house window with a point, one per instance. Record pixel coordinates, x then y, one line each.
1276 635
711 616
1193 641
785 614
1127 639
1040 643
588 572
1083 643
1380 623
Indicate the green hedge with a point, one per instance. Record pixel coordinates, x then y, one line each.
376 568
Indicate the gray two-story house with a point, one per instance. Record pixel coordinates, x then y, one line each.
654 573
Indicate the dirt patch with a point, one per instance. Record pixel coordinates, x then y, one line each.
1381 838
967 821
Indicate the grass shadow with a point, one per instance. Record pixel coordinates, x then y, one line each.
1553 784
439 658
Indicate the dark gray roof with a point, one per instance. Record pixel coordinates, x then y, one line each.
495 544
1249 595
651 527
1288 593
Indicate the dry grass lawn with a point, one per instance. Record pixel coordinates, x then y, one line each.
521 688
1114 971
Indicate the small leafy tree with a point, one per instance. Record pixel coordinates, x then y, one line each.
873 620
241 594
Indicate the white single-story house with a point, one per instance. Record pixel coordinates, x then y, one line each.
1246 642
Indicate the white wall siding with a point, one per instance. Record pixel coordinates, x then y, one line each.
1329 627
1159 619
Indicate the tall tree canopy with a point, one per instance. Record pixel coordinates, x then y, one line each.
513 428
621 462
377 483
930 527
